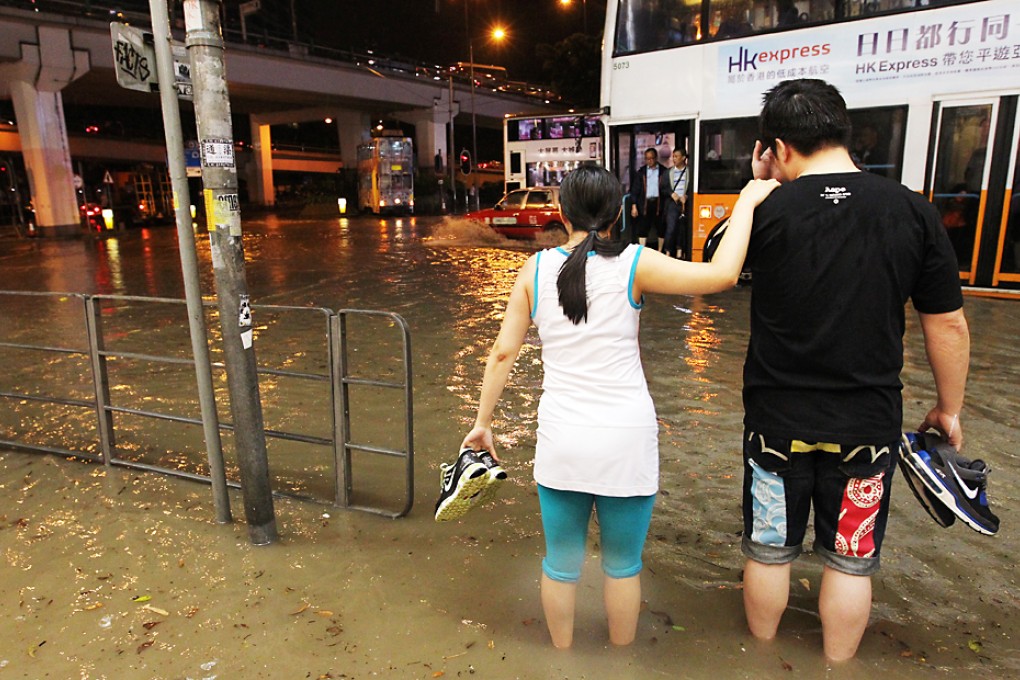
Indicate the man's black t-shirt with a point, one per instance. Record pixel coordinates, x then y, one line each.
834 259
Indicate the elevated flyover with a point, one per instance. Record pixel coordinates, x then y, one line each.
47 54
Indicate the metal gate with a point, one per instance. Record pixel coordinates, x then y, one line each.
92 335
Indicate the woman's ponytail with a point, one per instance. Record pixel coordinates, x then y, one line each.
572 282
590 199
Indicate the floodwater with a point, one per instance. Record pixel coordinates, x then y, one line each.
118 573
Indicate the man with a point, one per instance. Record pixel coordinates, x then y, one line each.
676 241
646 192
835 255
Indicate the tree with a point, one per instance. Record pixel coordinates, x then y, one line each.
573 66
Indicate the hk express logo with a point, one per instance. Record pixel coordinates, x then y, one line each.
747 60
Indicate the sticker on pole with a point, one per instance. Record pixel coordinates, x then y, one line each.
244 322
182 71
217 153
224 212
244 312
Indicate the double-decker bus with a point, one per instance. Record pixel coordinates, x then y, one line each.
386 175
540 150
932 88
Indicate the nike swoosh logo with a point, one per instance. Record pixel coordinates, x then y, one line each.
967 491
448 482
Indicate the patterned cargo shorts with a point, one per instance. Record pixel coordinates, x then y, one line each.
847 485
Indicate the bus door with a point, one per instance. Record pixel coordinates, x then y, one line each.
628 144
970 179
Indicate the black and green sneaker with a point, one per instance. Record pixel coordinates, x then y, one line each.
461 485
497 475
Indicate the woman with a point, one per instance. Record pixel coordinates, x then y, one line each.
597 432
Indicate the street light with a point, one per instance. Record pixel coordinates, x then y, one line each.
496 34
584 11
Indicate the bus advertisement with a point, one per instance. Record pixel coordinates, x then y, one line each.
540 150
932 92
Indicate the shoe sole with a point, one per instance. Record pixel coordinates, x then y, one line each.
494 480
946 518
472 482
949 498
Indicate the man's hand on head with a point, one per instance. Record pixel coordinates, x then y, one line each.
763 164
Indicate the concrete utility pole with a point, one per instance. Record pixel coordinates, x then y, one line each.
204 40
189 256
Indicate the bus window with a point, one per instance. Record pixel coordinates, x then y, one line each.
644 25
1011 246
647 25
960 174
856 8
731 18
726 146
877 141
529 128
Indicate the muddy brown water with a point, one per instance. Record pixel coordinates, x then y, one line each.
115 573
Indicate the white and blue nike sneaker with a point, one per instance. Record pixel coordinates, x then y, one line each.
957 484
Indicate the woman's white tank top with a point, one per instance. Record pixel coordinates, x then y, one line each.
597 430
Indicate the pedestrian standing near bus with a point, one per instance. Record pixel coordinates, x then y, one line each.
835 254
648 191
676 240
597 432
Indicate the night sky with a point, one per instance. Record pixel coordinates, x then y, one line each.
413 28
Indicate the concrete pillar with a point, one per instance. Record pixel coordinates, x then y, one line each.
353 128
262 190
430 131
35 84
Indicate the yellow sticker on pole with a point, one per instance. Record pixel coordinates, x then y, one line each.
209 212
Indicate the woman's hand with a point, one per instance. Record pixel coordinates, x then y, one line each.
480 439
757 190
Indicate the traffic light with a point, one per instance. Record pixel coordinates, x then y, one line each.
465 162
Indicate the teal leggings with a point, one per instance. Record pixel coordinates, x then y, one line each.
623 526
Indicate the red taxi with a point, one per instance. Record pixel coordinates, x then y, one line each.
524 213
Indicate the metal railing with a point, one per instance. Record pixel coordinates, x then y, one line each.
90 324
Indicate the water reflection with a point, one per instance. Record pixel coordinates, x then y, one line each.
450 280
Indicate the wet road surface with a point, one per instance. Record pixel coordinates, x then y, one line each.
113 573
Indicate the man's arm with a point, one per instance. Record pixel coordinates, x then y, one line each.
947 344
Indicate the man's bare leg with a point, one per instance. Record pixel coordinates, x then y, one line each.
766 593
844 603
